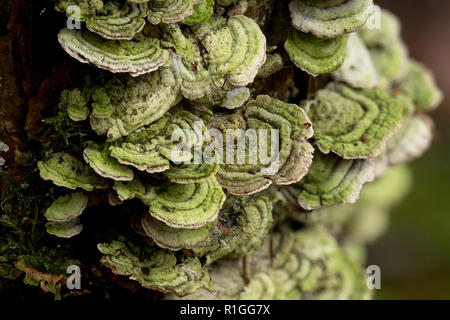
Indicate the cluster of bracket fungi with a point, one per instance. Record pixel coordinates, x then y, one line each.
235 230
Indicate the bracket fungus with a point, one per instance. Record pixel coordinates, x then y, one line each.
358 69
66 229
169 11
236 48
242 227
142 55
106 166
66 171
329 19
251 166
231 167
173 138
355 124
66 207
332 181
420 86
155 268
137 102
112 20
315 55
185 206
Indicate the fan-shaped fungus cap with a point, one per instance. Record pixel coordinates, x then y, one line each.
66 229
236 48
66 171
242 228
315 55
137 102
172 238
129 190
284 126
329 19
354 124
142 55
185 206
202 12
75 104
358 70
106 166
169 11
419 85
66 207
333 181
155 269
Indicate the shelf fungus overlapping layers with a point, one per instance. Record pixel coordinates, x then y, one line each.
268 144
202 12
236 48
174 144
114 20
410 141
129 189
358 70
355 124
242 227
315 55
140 56
106 166
329 19
66 207
137 102
155 269
185 206
386 48
332 181
63 215
169 11
419 85
74 103
306 264
66 171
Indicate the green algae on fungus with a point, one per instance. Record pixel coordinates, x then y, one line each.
173 238
169 11
332 181
389 54
236 98
315 55
66 229
355 124
75 104
66 207
106 166
137 102
261 164
185 206
155 269
173 138
236 48
66 171
129 189
410 141
292 265
419 85
191 172
329 19
242 227
202 12
142 55
112 20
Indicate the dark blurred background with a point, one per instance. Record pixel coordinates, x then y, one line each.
414 255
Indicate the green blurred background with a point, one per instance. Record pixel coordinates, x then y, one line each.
414 255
